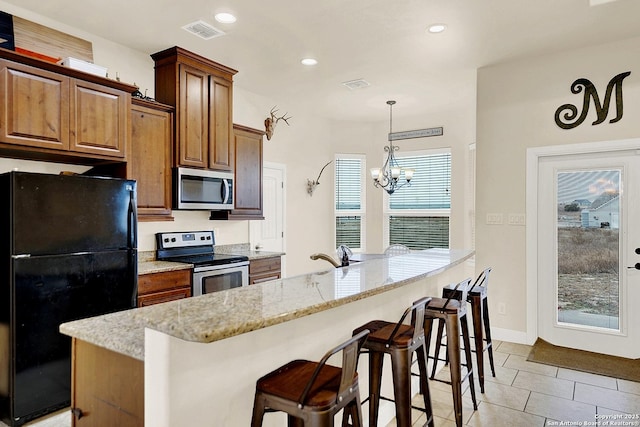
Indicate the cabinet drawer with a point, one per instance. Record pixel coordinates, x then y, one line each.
157 282
264 265
264 277
164 296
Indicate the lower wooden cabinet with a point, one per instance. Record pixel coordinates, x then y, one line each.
155 288
264 269
107 388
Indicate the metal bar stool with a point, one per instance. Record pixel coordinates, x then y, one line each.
452 315
477 298
311 393
400 341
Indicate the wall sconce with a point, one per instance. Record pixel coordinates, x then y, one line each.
311 185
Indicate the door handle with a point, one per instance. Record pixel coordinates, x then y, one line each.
637 266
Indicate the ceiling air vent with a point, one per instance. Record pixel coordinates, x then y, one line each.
356 84
203 30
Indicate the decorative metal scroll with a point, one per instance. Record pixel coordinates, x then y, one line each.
602 110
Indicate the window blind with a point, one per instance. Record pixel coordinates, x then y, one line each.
419 232
431 184
348 184
348 231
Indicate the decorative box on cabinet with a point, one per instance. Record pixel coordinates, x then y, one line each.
201 90
248 175
150 158
50 112
154 288
264 269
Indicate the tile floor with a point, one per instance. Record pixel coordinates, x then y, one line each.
522 394
530 394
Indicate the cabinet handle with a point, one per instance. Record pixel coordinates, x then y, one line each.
77 412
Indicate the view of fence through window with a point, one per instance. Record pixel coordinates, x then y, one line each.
588 229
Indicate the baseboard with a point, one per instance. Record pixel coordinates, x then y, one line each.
509 335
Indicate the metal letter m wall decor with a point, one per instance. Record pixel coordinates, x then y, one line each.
602 110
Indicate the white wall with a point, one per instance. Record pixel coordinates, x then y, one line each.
515 111
304 147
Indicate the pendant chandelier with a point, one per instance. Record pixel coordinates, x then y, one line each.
388 177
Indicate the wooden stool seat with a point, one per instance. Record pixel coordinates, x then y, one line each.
449 306
399 341
311 393
380 331
290 380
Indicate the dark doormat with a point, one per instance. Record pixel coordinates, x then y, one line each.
585 361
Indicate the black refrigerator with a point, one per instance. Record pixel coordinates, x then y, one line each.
68 251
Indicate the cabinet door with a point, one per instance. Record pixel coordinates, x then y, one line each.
99 118
150 161
107 387
248 172
35 107
220 124
193 117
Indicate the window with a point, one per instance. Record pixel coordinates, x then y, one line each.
350 200
418 215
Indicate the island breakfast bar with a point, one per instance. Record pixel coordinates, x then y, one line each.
195 361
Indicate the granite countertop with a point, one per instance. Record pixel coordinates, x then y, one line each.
221 315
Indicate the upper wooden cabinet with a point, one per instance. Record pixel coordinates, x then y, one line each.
201 91
49 111
247 191
150 158
98 119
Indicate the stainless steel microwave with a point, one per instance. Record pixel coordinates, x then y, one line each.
199 189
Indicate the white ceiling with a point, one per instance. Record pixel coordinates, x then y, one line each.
381 41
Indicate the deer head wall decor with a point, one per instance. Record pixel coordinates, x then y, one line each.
311 185
271 122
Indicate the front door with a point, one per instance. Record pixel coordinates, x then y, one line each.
588 286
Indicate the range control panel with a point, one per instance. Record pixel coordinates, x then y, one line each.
185 240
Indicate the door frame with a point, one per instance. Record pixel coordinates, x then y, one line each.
532 170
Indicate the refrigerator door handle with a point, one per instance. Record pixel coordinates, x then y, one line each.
132 238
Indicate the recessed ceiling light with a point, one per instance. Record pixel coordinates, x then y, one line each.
225 18
436 28
309 61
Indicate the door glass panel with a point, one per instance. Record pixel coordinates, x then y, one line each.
588 236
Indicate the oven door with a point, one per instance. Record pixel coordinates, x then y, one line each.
220 278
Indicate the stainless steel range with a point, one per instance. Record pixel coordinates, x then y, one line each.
212 272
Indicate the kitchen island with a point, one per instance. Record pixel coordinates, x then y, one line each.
201 356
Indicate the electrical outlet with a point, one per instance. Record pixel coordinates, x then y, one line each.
516 219
494 218
502 308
